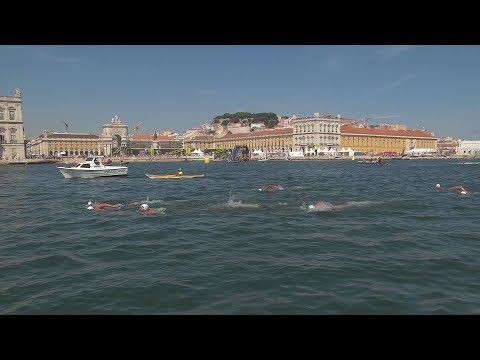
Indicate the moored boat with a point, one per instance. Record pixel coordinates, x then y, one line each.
92 167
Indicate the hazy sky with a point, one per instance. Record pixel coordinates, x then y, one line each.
177 87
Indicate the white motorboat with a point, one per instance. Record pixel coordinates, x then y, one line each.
92 167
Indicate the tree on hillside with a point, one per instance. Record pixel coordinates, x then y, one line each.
269 119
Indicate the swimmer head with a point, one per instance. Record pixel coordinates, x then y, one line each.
144 207
438 185
463 192
311 206
90 207
89 203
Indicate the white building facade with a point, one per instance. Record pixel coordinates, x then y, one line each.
12 134
316 133
469 147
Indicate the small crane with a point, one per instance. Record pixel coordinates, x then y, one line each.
135 128
66 126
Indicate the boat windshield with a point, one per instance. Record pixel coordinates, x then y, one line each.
89 159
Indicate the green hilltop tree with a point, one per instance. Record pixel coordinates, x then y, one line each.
269 119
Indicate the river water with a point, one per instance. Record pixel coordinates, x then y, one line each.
399 246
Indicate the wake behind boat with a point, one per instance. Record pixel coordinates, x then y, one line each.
173 176
92 167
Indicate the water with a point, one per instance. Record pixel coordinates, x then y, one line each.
398 247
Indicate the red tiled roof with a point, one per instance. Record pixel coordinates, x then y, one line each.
345 129
259 133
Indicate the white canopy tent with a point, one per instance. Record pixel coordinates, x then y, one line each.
259 154
346 152
197 152
332 152
421 152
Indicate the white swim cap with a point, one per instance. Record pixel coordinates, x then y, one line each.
463 192
438 185
89 203
311 206
90 207
144 207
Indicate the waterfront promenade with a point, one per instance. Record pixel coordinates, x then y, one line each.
129 159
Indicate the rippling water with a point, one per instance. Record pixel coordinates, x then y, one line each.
398 247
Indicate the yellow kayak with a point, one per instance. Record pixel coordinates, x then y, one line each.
173 176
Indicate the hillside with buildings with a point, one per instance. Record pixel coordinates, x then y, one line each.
270 120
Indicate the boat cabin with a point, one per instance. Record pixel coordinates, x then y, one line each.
91 161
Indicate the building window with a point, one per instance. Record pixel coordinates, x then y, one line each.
11 114
13 137
1 114
2 135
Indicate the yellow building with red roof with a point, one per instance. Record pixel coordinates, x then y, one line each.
272 140
375 141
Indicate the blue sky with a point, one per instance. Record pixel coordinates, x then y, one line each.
176 87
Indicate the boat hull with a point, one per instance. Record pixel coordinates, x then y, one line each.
174 176
69 173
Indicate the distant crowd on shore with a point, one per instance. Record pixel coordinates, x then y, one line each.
163 157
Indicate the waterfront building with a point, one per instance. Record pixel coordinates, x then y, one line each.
273 141
469 148
201 142
114 137
238 128
153 144
195 131
114 140
374 141
12 134
55 144
447 146
316 132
